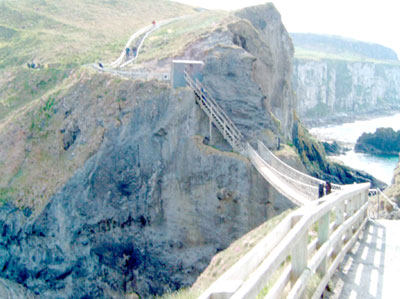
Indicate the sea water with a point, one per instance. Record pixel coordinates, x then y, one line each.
380 167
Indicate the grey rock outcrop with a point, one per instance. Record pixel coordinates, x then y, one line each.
248 67
145 214
11 290
149 209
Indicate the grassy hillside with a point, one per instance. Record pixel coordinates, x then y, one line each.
74 32
62 36
65 37
314 46
170 40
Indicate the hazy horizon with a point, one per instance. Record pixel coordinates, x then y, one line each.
367 21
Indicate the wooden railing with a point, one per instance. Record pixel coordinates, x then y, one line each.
297 253
216 114
375 208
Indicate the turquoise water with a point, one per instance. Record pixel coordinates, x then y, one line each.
379 166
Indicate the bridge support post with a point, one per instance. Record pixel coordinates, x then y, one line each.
379 204
338 221
210 130
299 259
323 235
365 199
349 212
360 202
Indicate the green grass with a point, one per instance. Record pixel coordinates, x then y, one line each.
312 284
6 194
319 110
185 293
26 86
63 36
171 39
41 118
74 32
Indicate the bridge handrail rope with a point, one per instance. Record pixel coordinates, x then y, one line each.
290 238
278 164
275 171
377 190
303 192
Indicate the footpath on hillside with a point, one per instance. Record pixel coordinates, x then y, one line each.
372 268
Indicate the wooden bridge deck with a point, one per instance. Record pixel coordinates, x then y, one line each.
372 268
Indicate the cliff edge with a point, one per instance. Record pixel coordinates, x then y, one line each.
112 189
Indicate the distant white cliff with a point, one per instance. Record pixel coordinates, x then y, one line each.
330 86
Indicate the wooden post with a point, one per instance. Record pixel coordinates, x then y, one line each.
338 221
357 205
365 199
323 235
339 215
349 211
210 130
299 259
377 217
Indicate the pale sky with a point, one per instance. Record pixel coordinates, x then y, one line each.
376 21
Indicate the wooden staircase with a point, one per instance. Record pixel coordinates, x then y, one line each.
216 114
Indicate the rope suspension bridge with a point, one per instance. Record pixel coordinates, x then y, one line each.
298 187
290 251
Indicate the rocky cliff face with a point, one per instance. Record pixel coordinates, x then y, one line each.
152 204
144 214
248 67
334 88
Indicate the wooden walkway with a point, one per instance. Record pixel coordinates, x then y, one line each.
372 268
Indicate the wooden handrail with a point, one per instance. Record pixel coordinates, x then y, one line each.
248 276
